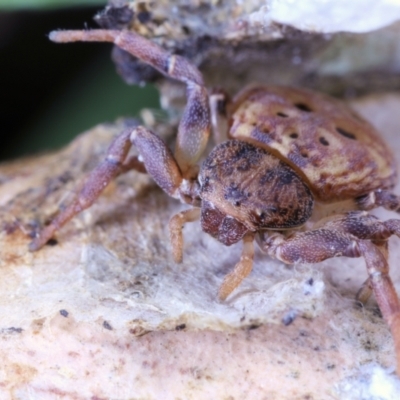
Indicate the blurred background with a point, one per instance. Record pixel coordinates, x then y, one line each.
52 92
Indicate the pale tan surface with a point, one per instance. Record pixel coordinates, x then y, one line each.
113 273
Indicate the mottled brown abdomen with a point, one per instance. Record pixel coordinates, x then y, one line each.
339 154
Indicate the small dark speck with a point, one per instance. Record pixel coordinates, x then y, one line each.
294 135
10 228
180 327
52 242
305 155
253 326
310 282
263 129
186 30
11 330
143 17
289 317
65 178
64 313
376 311
331 366
106 325
281 114
323 141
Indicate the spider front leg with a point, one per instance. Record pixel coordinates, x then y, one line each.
194 127
158 162
384 291
241 270
366 226
176 225
321 244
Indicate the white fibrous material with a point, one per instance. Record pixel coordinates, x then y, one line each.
370 382
329 16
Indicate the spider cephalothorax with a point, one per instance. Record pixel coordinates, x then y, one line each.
254 187
288 150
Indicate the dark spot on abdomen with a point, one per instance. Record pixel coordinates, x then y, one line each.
346 134
323 141
303 107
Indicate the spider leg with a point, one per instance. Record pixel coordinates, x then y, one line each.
377 198
194 128
338 238
133 163
365 291
175 230
366 226
384 291
158 162
241 269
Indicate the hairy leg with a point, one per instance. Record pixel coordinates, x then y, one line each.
194 128
381 197
158 162
176 225
384 291
352 235
241 270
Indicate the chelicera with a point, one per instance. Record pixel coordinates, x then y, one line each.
292 169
